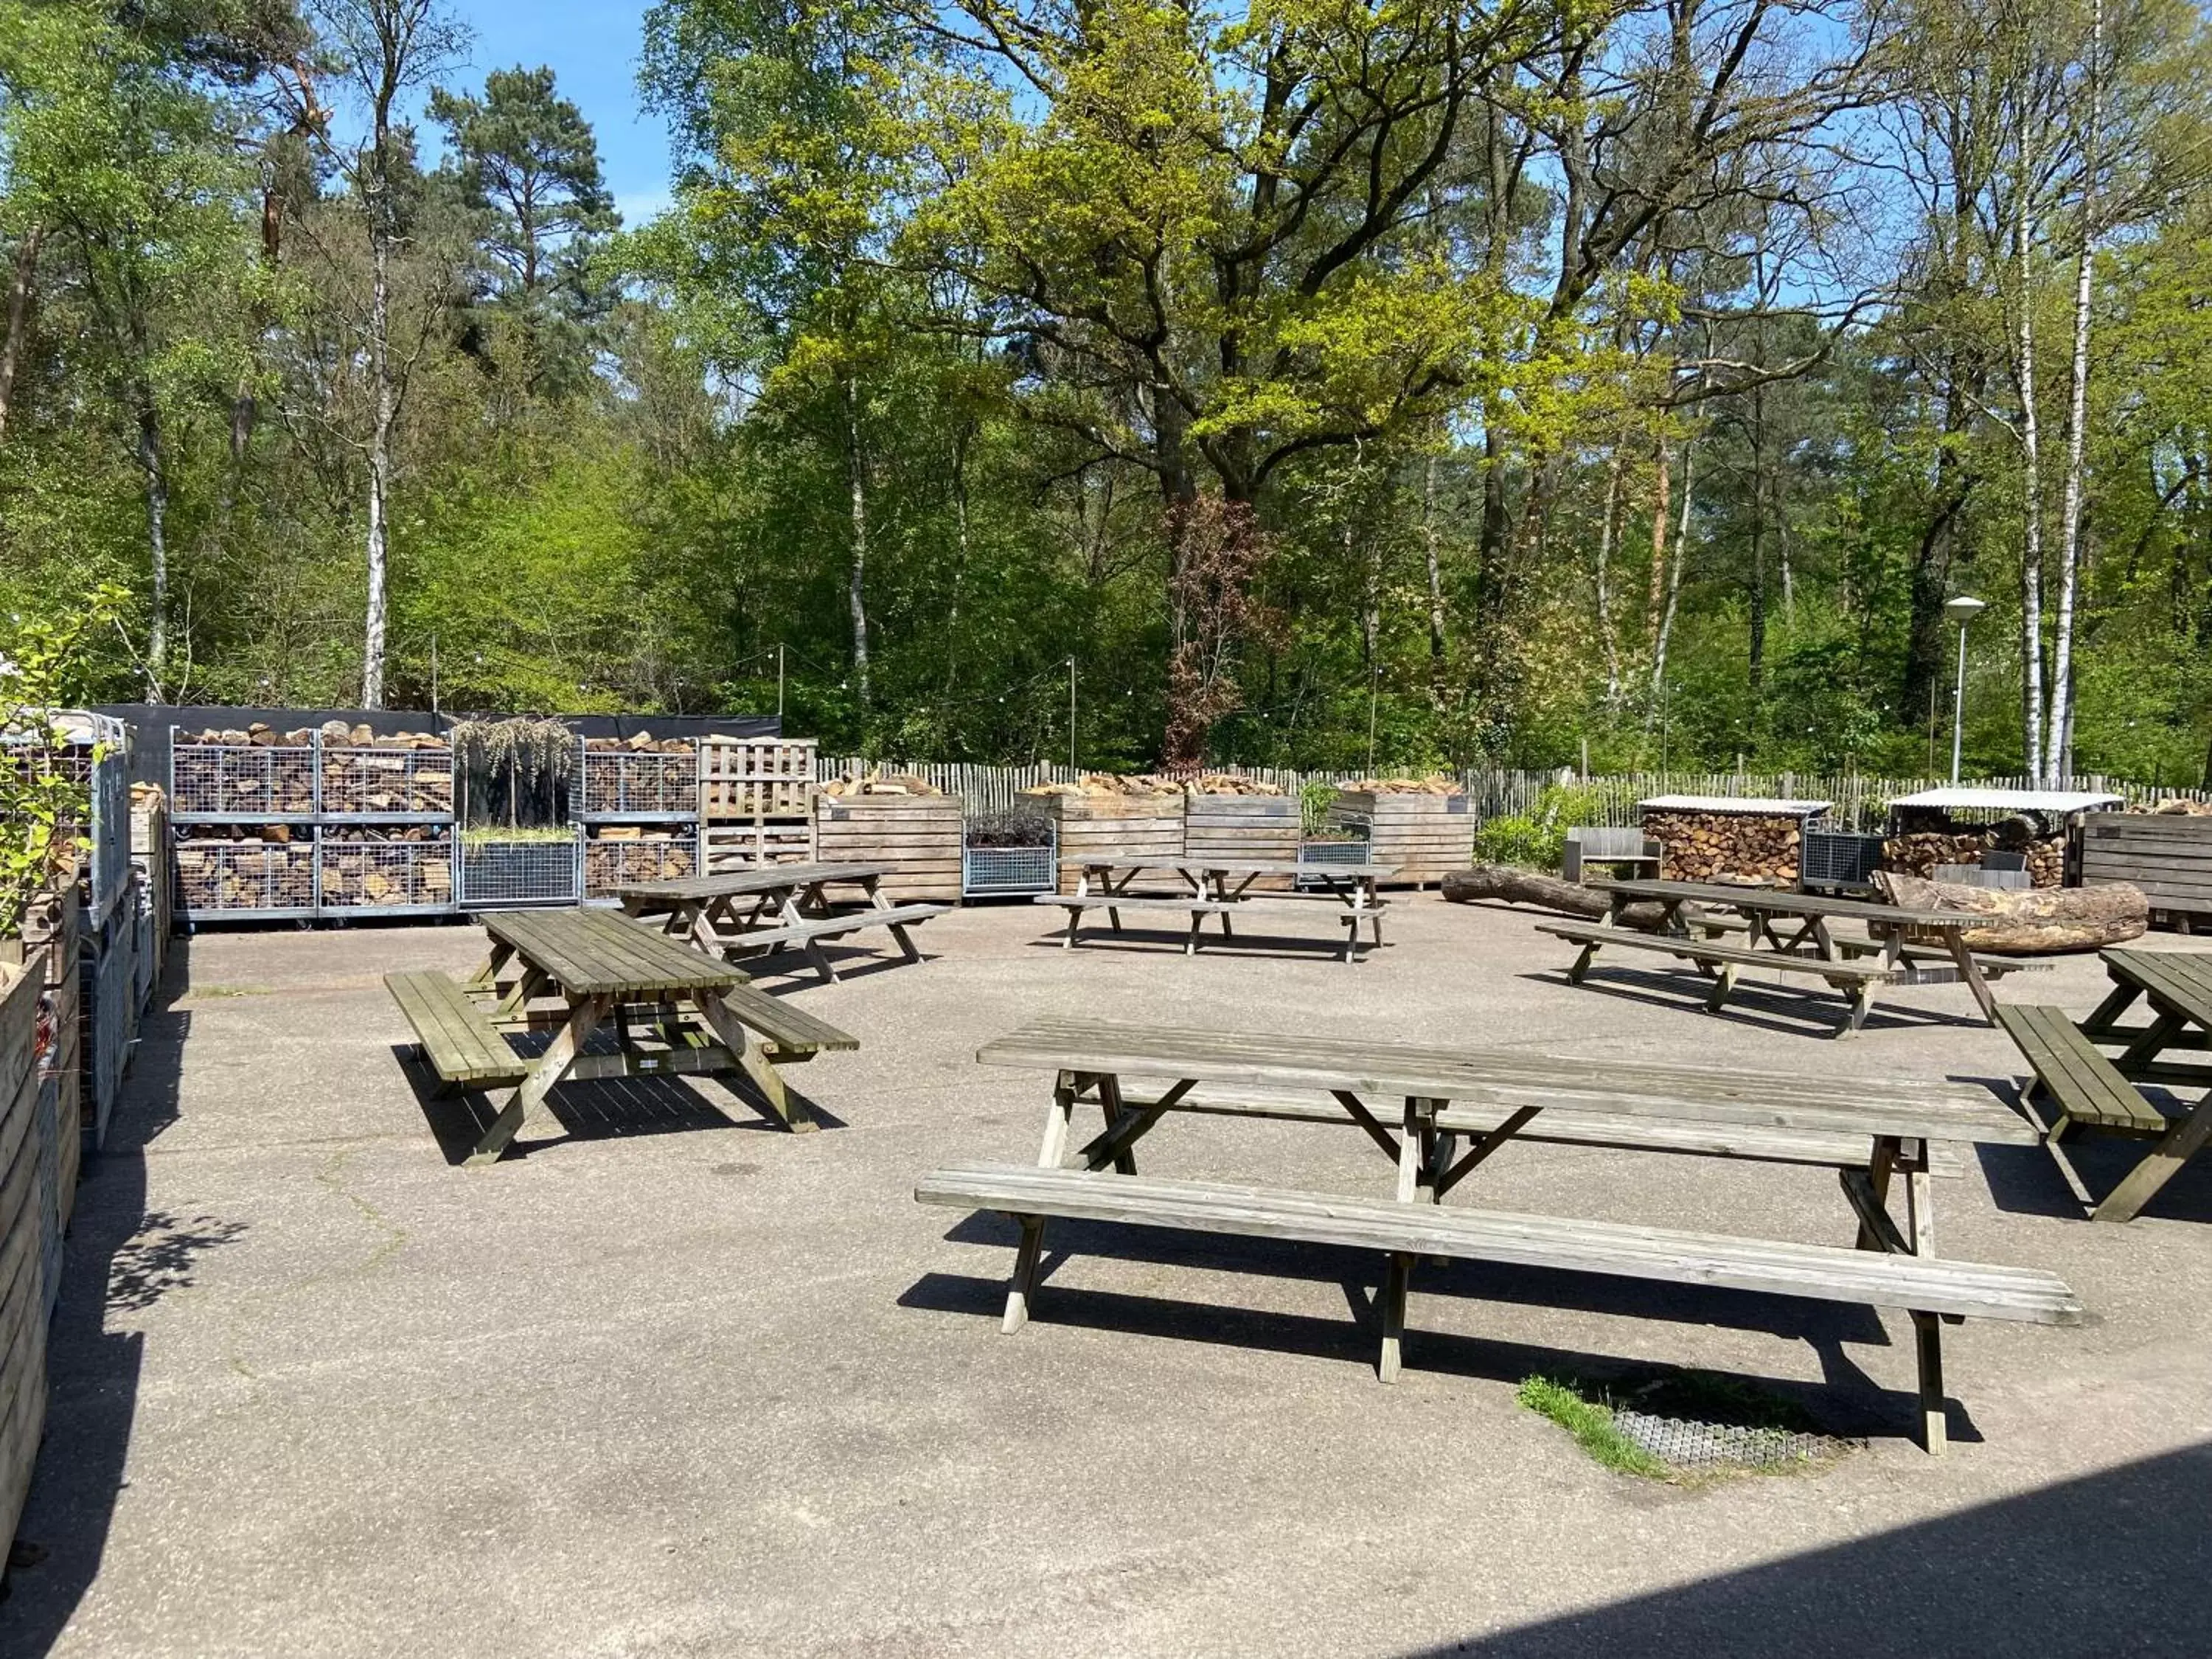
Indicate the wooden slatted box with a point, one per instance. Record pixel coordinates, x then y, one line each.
27 1238
1424 834
919 837
2168 856
1242 828
1115 829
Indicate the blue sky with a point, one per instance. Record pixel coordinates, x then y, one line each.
592 46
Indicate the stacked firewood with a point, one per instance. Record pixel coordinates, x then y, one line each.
1918 855
1105 785
2175 806
1227 783
879 782
260 735
251 875
1727 846
413 865
1435 784
398 772
629 853
644 743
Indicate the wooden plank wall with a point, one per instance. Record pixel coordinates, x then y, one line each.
24 1149
1424 835
2169 857
1241 828
1116 829
919 837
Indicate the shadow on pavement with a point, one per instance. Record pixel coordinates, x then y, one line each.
120 1259
2111 1563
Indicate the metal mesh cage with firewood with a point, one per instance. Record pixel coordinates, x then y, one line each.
386 780
366 870
241 779
630 781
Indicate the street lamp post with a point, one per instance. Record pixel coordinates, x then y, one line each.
1960 610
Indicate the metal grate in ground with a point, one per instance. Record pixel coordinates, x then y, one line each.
1686 1444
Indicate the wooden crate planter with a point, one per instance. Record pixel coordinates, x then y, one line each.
1114 829
29 1235
919 837
2168 856
1425 835
1242 828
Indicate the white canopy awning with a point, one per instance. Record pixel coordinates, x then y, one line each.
1963 798
1758 806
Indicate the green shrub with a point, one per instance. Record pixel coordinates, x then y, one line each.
1536 840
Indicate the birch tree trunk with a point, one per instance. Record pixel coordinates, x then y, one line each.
1607 529
1431 542
1673 580
2059 739
2031 446
18 316
1657 599
380 438
154 476
856 583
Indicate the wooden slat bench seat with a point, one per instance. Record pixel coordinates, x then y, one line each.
2091 1093
1114 903
454 1035
808 932
1821 1148
1928 1289
1856 979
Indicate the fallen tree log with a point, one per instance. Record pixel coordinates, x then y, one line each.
1511 886
2029 921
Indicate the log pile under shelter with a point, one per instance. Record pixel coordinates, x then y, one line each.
1718 838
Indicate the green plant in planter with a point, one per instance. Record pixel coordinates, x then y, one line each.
43 798
1537 839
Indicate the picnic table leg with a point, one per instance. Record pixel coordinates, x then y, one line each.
1031 1251
1928 1348
1877 1173
2164 1027
1861 996
1415 1135
1074 915
2106 1016
585 1014
1920 1203
1954 941
1724 982
485 976
1110 1097
2167 1154
754 1058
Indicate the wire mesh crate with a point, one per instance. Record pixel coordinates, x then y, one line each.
613 862
1001 871
364 871
241 878
1837 859
501 873
241 781
633 784
387 780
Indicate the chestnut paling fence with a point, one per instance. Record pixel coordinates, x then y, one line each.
1859 800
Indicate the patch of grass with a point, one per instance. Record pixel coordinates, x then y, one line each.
198 991
1591 1422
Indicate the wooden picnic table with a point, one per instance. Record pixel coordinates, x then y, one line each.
1768 911
776 905
1216 886
1441 1097
2178 986
602 967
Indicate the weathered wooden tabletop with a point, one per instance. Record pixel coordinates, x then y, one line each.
1932 1111
1216 866
2180 980
598 953
739 884
1770 901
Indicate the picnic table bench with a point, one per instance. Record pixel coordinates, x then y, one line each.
1489 1097
670 1010
741 911
1221 887
1888 955
2091 1092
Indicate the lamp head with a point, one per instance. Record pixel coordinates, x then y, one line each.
1963 609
